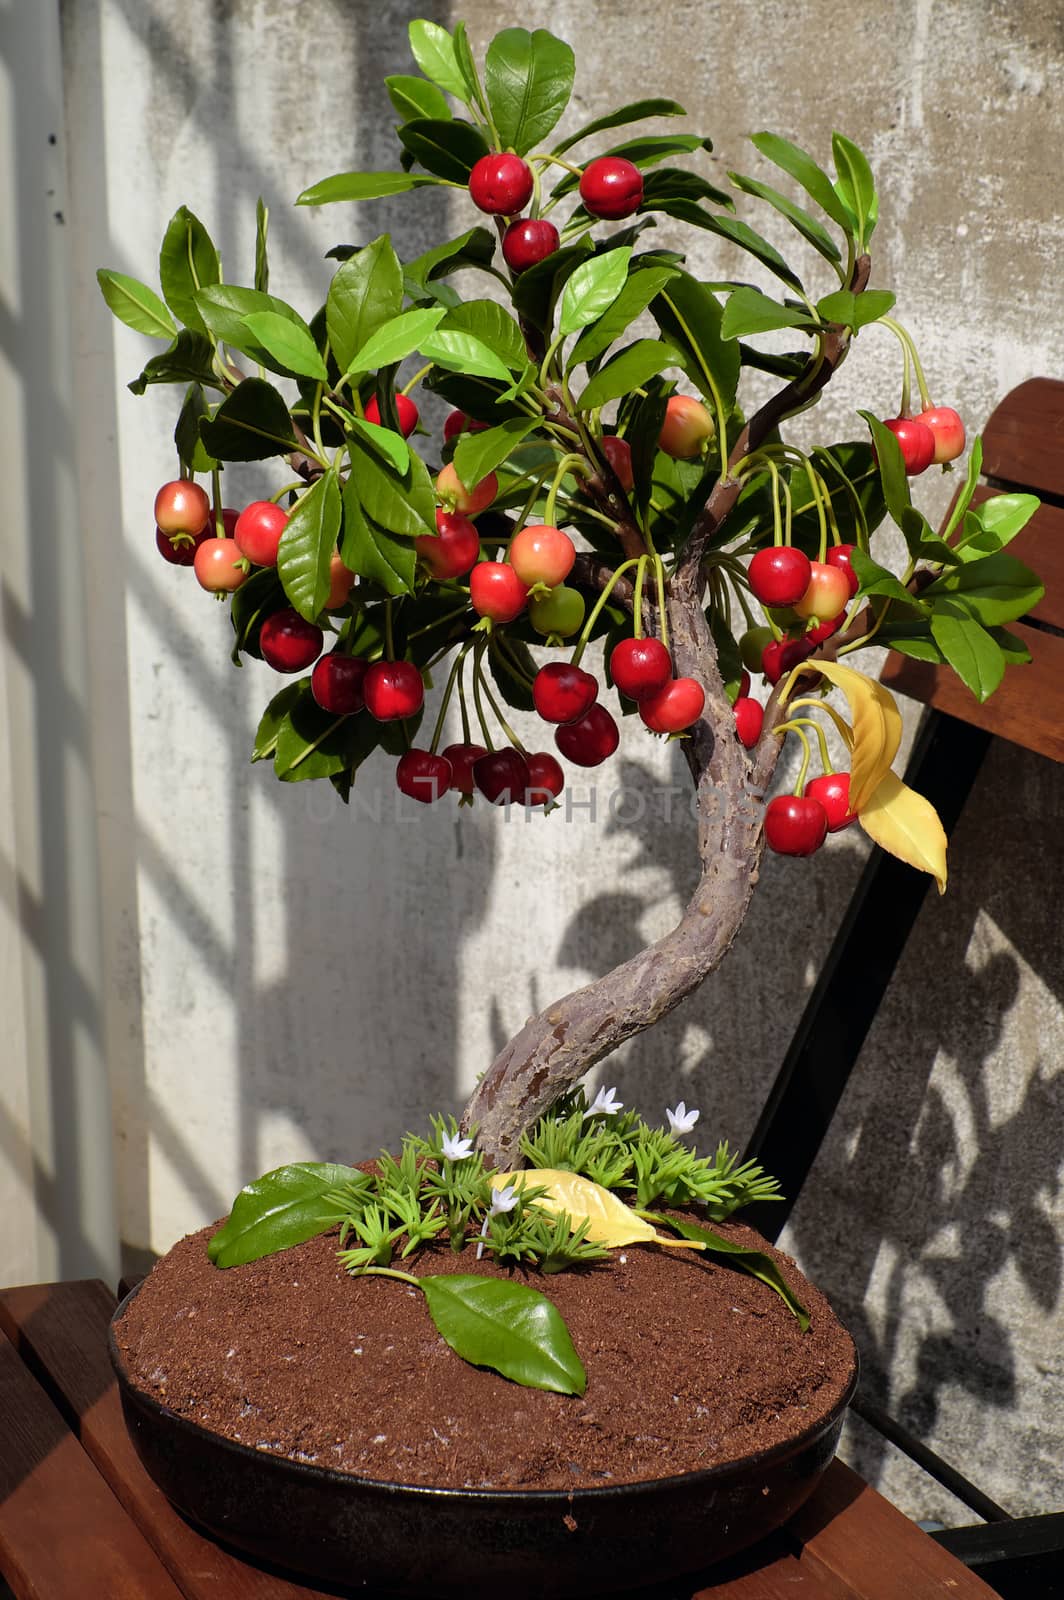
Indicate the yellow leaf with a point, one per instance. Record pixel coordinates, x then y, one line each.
903 822
609 1220
876 728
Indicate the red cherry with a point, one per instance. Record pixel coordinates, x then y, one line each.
948 429
452 550
795 825
502 777
496 591
640 667
501 184
675 707
542 555
781 655
405 410
528 240
457 422
546 780
779 575
288 642
336 683
181 507
456 497
744 685
833 792
462 758
917 443
423 775
826 594
840 555
563 693
590 741
618 453
749 720
687 427
392 690
824 630
611 187
180 548
258 532
217 566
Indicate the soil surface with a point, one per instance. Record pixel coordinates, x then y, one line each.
690 1364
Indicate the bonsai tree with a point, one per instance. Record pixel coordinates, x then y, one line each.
600 478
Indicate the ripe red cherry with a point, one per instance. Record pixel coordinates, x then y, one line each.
456 497
258 532
336 683
795 825
675 707
341 582
496 591
592 740
457 422
452 550
826 594
917 443
423 775
948 430
824 630
840 555
546 780
501 184
749 720
640 667
781 655
181 507
288 642
528 240
779 575
542 555
611 187
462 758
392 690
502 777
180 548
618 453
217 566
687 427
405 410
563 693
833 792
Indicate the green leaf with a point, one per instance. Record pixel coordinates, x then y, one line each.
593 288
856 187
292 347
975 467
975 657
461 352
638 291
996 588
529 78
804 170
463 54
478 454
187 261
749 311
413 97
188 360
855 310
647 151
226 309
449 148
811 230
997 521
628 370
506 1326
365 294
273 718
879 580
362 186
745 237
637 111
473 249
536 291
279 1210
670 184
493 326
308 544
433 49
756 1262
251 425
403 503
255 600
190 446
1012 648
377 556
891 467
312 743
911 639
396 339
136 305
387 443
689 316
262 264
512 668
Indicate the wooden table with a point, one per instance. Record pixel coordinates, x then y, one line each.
81 1520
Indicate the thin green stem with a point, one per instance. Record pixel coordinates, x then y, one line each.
447 692
478 679
659 573
389 639
797 724
569 463
793 727
388 1272
216 502
637 598
596 610
416 379
503 724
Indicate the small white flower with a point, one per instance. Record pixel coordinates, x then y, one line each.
456 1148
681 1120
501 1200
605 1104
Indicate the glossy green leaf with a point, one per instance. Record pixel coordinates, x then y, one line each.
489 322
478 454
628 370
279 1210
997 588
638 291
273 718
190 446
513 668
754 244
856 187
637 111
855 310
879 580
756 1262
592 289
249 606
462 352
226 308
449 148
308 544
749 311
433 49
1012 648
922 543
397 339
291 346
187 261
474 248
188 360
689 316
133 303
251 425
262 263
963 501
669 184
536 291
402 503
463 54
891 467
506 1326
362 186
391 446
365 294
810 229
415 97
644 422
974 656
997 521
528 78
910 639
799 165
377 556
312 743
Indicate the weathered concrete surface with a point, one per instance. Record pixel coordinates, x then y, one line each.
288 979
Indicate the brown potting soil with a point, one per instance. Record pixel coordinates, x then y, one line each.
690 1364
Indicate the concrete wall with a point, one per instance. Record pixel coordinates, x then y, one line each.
285 978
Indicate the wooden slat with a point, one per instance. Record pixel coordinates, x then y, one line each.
63 1535
849 1530
771 1576
1023 441
1041 546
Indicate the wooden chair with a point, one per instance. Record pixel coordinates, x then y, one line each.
1023 450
